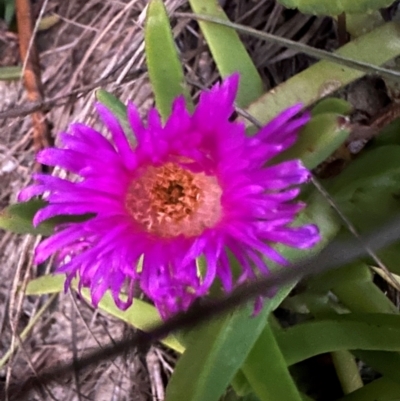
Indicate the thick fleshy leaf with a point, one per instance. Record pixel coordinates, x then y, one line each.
48 22
382 389
353 285
389 135
49 284
320 213
370 187
229 52
318 140
360 294
165 69
372 179
275 383
381 205
332 105
386 363
326 281
9 10
10 73
117 108
18 218
140 315
344 332
377 168
360 24
366 191
241 385
215 354
335 7
390 257
323 78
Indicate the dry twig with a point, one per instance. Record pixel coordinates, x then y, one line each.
31 72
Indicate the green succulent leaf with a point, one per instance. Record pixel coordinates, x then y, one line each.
353 286
240 384
219 349
325 77
229 52
48 22
390 257
335 7
382 389
377 168
386 363
140 315
9 10
10 73
360 24
370 207
332 105
343 332
318 140
390 135
117 108
18 217
369 186
44 285
360 294
277 384
165 69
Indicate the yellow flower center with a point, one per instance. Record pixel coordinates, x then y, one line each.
169 201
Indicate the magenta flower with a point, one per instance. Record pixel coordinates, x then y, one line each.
196 186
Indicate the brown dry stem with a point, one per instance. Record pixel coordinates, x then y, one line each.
31 73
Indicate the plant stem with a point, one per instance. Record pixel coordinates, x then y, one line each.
347 371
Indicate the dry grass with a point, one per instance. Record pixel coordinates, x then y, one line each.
92 41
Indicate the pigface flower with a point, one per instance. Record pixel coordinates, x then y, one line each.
194 186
